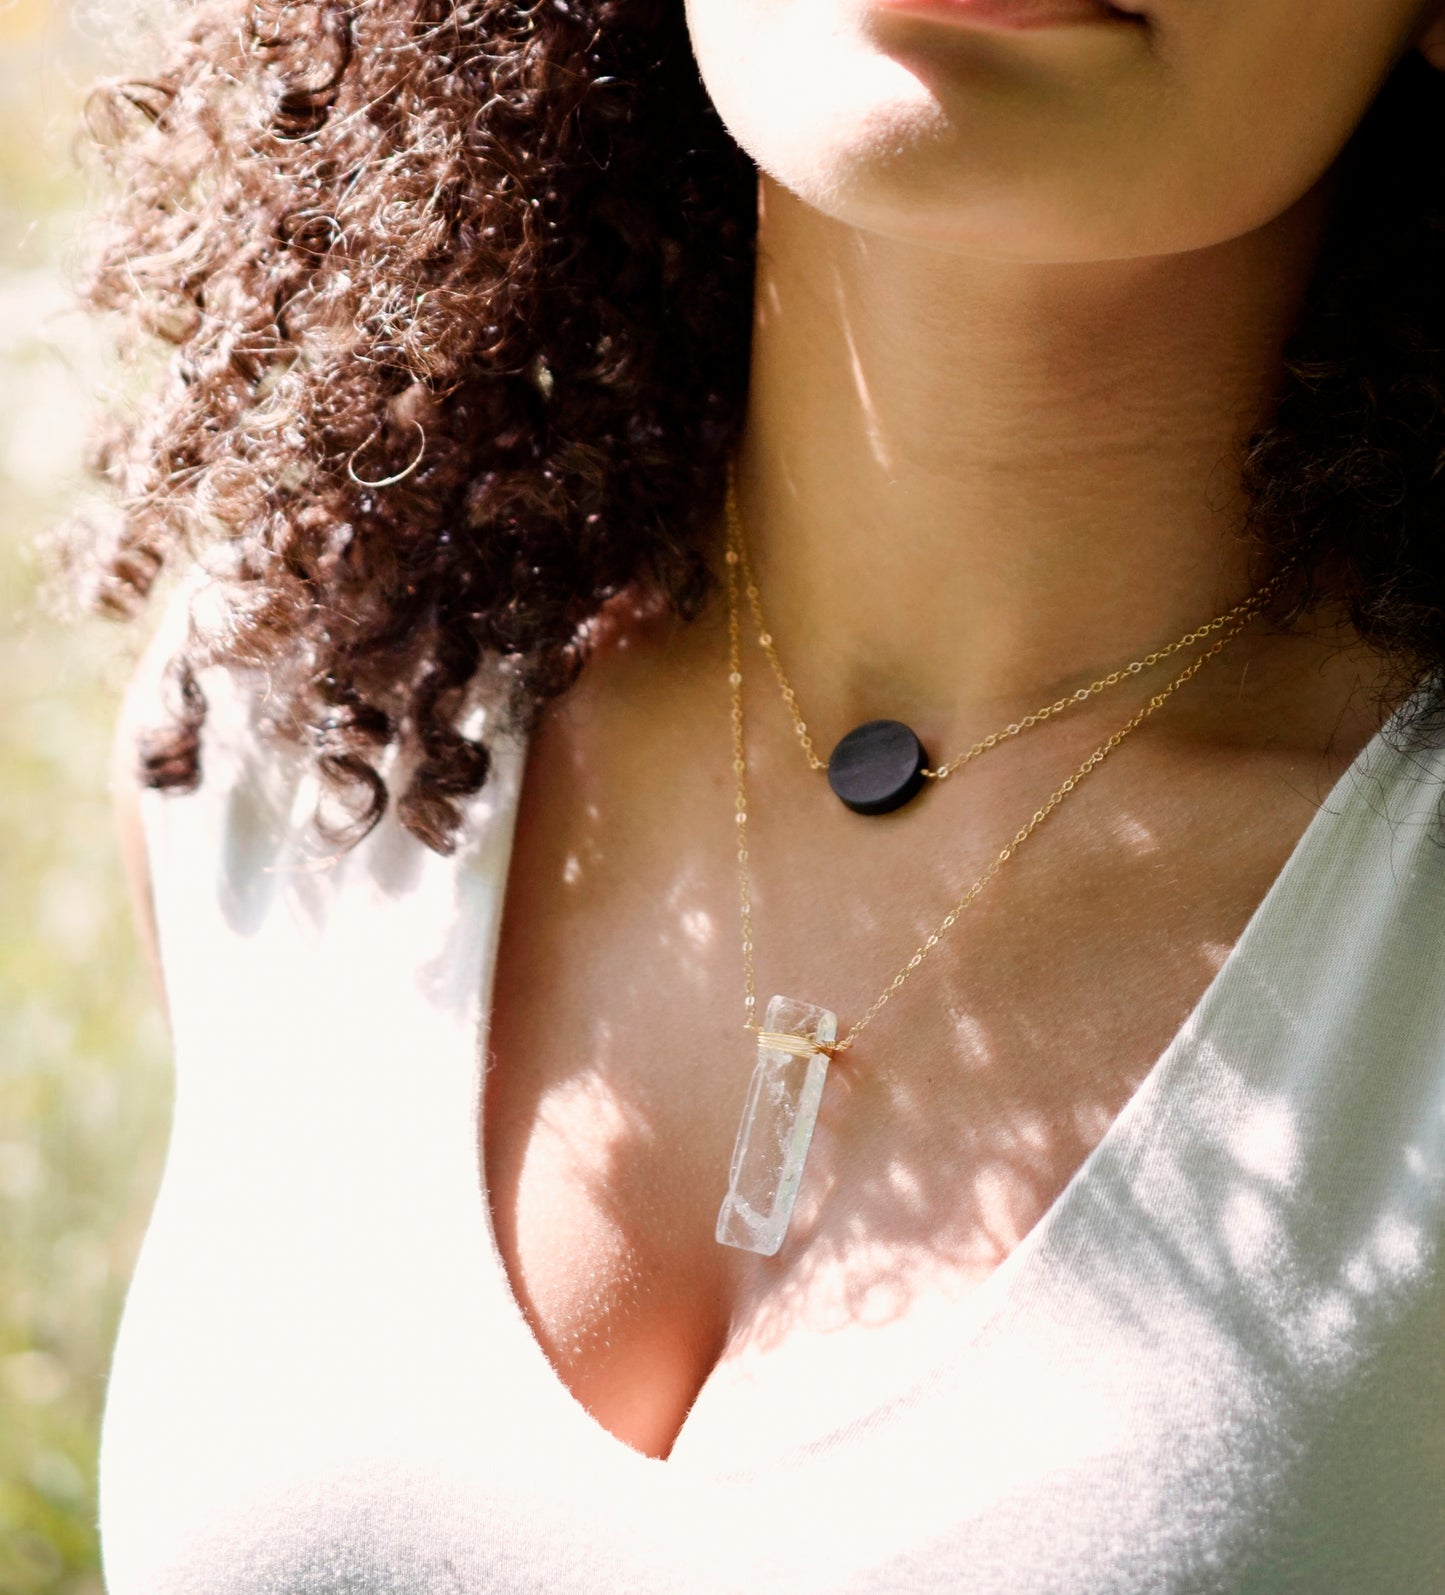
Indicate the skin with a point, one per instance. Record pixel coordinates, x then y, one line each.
1183 126
1000 361
914 178
1018 296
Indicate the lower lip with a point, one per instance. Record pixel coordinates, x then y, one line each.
1010 15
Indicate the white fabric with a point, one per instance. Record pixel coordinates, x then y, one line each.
1216 1367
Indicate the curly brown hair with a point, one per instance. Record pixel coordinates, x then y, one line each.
459 294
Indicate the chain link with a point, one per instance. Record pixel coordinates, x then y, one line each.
735 560
740 773
1125 672
738 556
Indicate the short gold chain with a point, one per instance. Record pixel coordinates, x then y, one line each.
733 560
943 771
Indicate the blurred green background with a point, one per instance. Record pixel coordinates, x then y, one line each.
84 1066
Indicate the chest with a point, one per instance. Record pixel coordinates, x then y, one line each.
618 1065
1231 1322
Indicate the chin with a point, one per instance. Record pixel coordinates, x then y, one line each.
1063 145
1013 148
907 171
987 189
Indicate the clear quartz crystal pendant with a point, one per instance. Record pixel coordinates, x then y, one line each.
776 1128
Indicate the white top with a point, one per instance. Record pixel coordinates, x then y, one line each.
1216 1366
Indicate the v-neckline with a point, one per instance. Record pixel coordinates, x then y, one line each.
1134 1122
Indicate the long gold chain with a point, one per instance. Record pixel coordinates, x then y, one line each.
1125 672
733 559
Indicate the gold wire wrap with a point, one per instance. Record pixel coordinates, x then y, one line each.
794 1046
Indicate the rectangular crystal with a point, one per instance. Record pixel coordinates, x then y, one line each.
775 1130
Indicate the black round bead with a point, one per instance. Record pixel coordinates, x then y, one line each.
877 767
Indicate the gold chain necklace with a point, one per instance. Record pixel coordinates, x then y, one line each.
797 1040
881 764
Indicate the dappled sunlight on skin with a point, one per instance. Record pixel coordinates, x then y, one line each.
872 419
920 1188
1214 953
1176 1330
974 1049
592 1133
1090 1121
1133 833
698 927
1209 1233
945 1136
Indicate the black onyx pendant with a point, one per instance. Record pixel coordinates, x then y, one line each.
877 767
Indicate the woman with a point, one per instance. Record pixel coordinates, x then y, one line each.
1073 339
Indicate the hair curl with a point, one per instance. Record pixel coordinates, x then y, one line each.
459 299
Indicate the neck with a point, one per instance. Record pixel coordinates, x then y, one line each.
965 483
